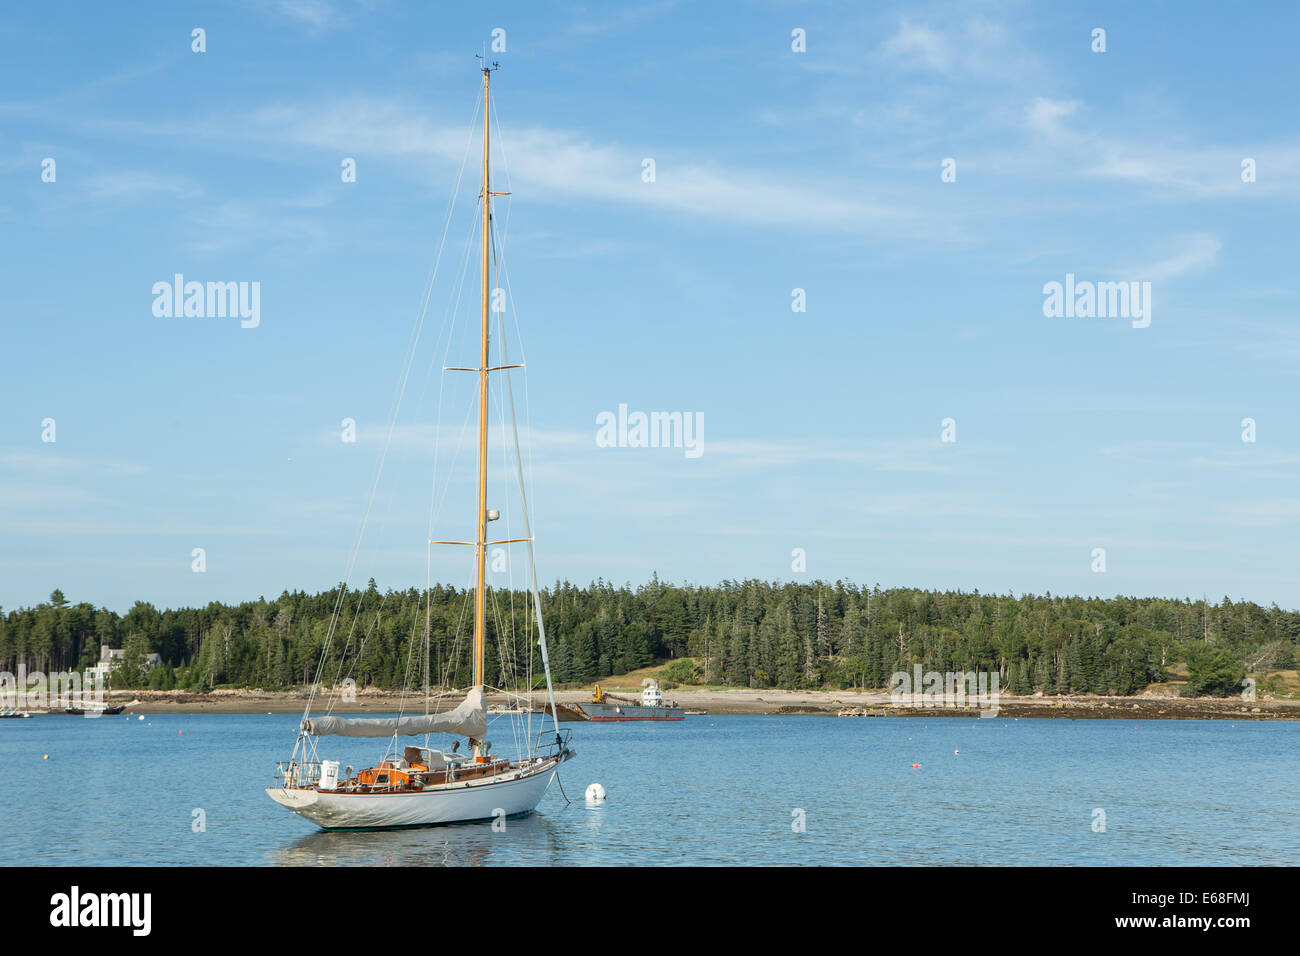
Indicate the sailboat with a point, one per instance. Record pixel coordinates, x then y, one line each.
413 785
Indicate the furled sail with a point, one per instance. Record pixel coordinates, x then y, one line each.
468 719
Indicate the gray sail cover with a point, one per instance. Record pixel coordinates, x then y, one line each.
469 719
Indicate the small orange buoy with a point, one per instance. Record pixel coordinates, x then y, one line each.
46 757
180 731
916 766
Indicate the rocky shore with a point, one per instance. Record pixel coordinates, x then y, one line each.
749 701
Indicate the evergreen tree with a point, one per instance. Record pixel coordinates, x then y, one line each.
752 633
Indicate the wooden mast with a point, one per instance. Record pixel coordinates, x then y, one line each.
480 549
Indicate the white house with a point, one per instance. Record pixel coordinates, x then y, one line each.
111 658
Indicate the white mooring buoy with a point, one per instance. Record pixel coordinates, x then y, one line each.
595 793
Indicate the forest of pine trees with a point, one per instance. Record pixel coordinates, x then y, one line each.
741 634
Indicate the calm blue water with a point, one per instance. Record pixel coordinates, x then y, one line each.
711 790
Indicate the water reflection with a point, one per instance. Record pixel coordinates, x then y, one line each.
593 812
532 840
1018 792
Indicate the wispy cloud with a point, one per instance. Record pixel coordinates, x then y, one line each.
919 46
45 495
1262 512
748 453
560 165
1196 171
63 527
1043 115
626 17
317 14
1185 255
286 219
972 48
129 185
34 463
1250 460
426 437
321 16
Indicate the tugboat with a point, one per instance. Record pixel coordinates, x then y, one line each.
651 706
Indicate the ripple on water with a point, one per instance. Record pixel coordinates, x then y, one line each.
718 790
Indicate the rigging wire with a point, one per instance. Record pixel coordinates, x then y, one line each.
523 496
508 660
396 407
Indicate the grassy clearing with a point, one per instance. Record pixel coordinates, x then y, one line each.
1280 685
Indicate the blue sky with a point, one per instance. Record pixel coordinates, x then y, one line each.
775 170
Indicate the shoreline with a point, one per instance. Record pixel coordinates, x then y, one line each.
748 701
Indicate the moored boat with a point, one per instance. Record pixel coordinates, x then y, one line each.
421 786
414 786
91 710
651 706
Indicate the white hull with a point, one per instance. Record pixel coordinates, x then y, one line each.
457 803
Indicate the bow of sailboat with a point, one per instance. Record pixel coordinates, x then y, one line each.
414 784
